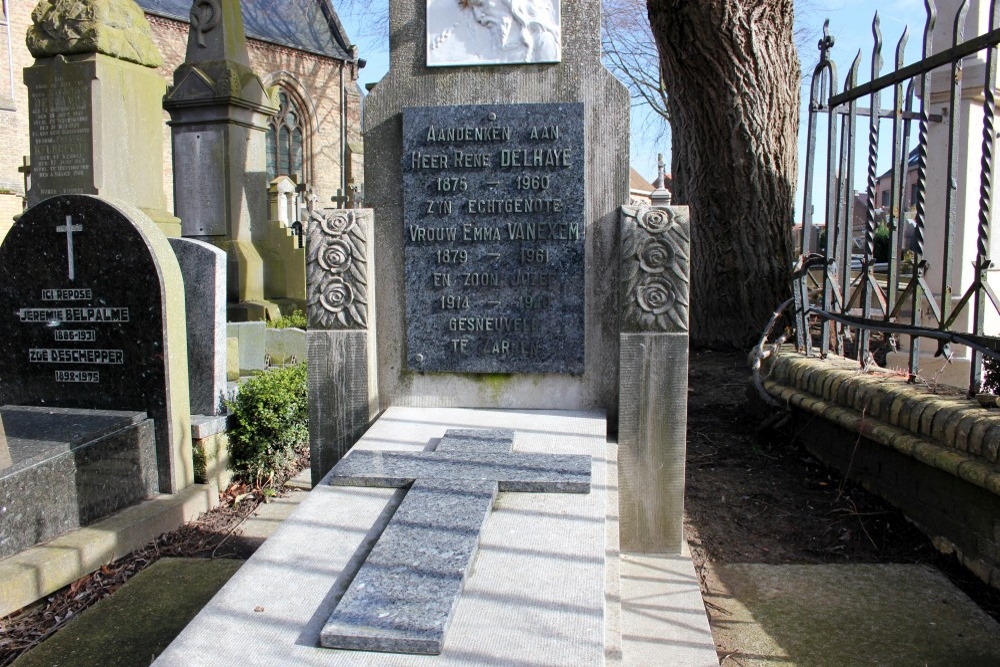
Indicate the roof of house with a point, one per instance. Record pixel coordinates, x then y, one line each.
911 162
636 183
306 25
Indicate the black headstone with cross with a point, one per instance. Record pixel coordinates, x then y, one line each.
404 595
83 295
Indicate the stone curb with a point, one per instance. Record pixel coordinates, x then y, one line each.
34 573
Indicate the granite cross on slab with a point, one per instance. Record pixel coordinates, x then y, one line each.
404 595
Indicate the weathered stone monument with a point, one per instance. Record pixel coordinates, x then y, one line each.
94 103
530 193
93 317
218 114
501 313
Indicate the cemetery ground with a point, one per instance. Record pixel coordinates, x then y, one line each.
752 498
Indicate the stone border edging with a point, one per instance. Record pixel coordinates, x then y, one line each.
951 422
943 458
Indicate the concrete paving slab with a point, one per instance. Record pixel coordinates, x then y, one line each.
136 623
837 615
663 615
536 595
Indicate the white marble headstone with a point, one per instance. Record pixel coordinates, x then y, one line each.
493 32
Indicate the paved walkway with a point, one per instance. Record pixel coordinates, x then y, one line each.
851 614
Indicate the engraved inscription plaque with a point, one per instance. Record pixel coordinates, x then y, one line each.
59 126
202 208
494 235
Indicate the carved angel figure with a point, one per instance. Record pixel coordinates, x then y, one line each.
472 32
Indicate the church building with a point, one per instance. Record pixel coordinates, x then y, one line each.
299 46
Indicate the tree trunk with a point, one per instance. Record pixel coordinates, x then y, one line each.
732 78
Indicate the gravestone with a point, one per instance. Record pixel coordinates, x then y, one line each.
525 201
204 269
484 289
94 102
218 114
92 305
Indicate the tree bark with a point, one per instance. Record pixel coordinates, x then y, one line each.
732 78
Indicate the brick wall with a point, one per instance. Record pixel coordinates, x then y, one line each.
14 113
935 456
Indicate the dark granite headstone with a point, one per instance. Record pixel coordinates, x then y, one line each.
88 295
494 233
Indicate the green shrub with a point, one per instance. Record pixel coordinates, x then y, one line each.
883 243
296 320
272 424
991 375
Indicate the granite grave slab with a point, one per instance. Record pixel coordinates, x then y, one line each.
403 597
494 238
92 317
67 468
538 586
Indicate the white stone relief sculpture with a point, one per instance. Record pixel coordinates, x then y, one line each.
492 32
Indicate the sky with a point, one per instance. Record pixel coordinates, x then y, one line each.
850 25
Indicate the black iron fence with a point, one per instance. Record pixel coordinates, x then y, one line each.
869 272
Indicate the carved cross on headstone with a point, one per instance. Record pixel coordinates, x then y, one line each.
403 597
68 229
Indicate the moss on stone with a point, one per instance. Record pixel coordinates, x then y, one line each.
137 623
116 28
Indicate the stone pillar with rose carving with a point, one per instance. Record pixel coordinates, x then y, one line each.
652 428
340 294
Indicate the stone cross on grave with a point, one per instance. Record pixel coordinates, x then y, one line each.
25 169
404 595
68 229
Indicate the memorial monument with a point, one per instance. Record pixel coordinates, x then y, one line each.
94 102
218 115
512 174
482 308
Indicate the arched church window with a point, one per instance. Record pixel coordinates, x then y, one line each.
285 141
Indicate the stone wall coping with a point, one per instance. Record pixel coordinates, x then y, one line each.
884 402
